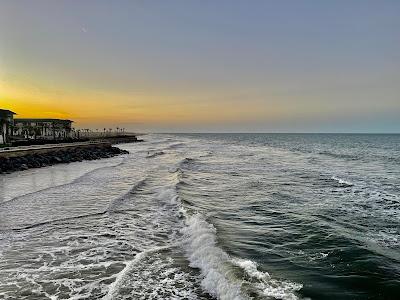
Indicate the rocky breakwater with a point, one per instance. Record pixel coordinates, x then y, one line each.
56 156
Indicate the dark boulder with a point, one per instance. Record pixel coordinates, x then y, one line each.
58 156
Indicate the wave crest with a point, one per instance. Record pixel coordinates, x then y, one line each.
219 270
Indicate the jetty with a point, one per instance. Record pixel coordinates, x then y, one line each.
37 142
8 152
27 157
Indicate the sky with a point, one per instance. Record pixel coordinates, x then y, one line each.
204 66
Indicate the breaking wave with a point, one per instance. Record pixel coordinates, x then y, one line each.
222 276
226 277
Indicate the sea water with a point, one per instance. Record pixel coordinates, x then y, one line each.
209 216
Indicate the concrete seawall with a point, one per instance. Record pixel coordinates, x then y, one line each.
119 139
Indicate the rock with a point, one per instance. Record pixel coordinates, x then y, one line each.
61 156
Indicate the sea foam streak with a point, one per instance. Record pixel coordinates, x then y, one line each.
116 285
342 182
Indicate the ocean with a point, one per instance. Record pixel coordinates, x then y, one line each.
209 216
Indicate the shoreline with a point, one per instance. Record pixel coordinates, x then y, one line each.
29 157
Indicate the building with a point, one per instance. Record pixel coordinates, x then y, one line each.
6 123
43 129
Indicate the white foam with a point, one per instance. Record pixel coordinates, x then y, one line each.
251 268
281 289
342 182
203 253
115 286
270 287
217 268
168 194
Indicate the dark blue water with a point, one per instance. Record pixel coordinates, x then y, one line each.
209 216
321 210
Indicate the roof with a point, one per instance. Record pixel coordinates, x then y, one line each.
42 120
6 112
